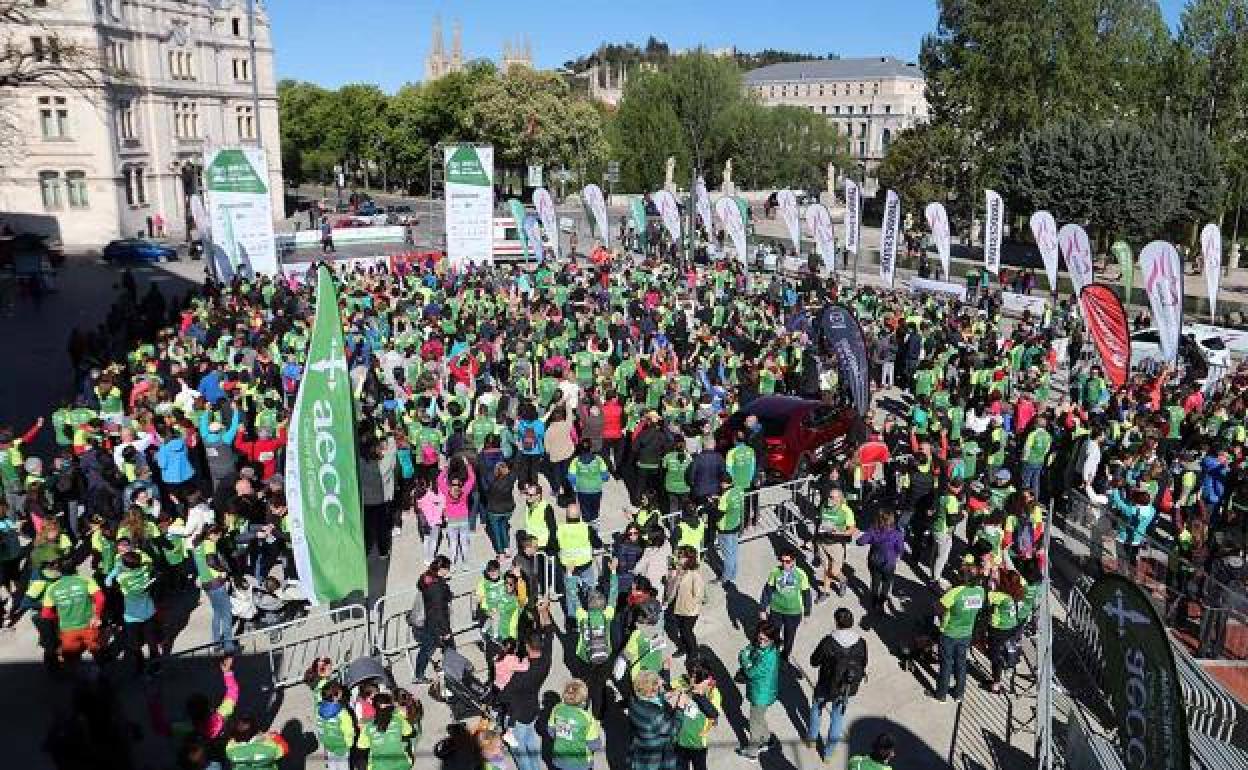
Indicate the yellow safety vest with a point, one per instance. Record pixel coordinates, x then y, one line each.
575 548
535 523
692 536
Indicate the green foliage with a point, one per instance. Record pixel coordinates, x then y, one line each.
696 111
925 164
1122 178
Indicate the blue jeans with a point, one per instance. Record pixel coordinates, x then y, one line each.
498 527
590 503
953 654
574 582
528 749
836 721
222 616
1031 478
428 643
728 542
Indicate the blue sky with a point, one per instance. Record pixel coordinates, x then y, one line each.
385 41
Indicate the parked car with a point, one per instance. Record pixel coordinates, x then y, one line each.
138 250
1198 349
400 214
799 434
368 209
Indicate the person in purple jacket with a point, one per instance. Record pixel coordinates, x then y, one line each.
887 544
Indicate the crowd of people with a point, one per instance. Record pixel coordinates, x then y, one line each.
504 401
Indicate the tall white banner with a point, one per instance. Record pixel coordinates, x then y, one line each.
236 182
597 206
938 221
890 230
1044 228
545 205
734 225
1211 248
787 203
1163 283
819 220
469 204
1077 252
853 215
669 212
994 224
702 201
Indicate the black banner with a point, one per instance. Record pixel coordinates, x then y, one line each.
842 336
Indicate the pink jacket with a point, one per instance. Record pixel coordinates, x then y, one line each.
432 508
456 510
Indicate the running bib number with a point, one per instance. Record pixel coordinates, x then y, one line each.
973 602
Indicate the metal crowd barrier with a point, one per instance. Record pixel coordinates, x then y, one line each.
394 638
341 634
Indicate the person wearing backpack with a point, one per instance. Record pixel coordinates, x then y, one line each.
530 444
587 473
594 648
841 659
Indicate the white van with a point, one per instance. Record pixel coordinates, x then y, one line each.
507 245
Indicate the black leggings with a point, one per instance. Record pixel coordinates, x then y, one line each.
788 625
690 759
685 638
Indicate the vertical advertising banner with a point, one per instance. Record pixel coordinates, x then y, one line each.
241 211
1211 250
1107 326
1073 241
550 222
1044 228
1140 677
1126 264
533 236
1163 283
994 225
702 200
640 223
853 215
843 337
322 479
469 204
669 212
819 220
938 221
792 220
518 214
597 208
890 231
734 225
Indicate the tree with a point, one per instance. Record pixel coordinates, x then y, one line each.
645 132
33 55
925 164
1121 178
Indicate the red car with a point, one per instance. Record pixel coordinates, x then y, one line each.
799 434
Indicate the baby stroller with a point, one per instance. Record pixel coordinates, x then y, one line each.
367 669
272 603
459 688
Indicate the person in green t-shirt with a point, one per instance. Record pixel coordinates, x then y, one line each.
250 749
1005 604
786 598
75 604
335 726
883 749
575 733
731 507
1036 454
959 608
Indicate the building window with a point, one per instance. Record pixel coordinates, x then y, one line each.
181 65
186 120
886 138
242 70
836 110
862 149
76 183
821 89
45 50
125 119
875 88
50 188
136 193
119 56
824 109
53 117
246 123
863 109
862 129
888 109
236 26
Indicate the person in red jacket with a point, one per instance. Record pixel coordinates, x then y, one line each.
614 446
262 449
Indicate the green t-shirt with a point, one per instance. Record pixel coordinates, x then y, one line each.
840 517
588 475
863 762
694 726
71 597
1004 611
387 750
741 465
259 753
732 510
675 464
787 588
573 728
962 604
